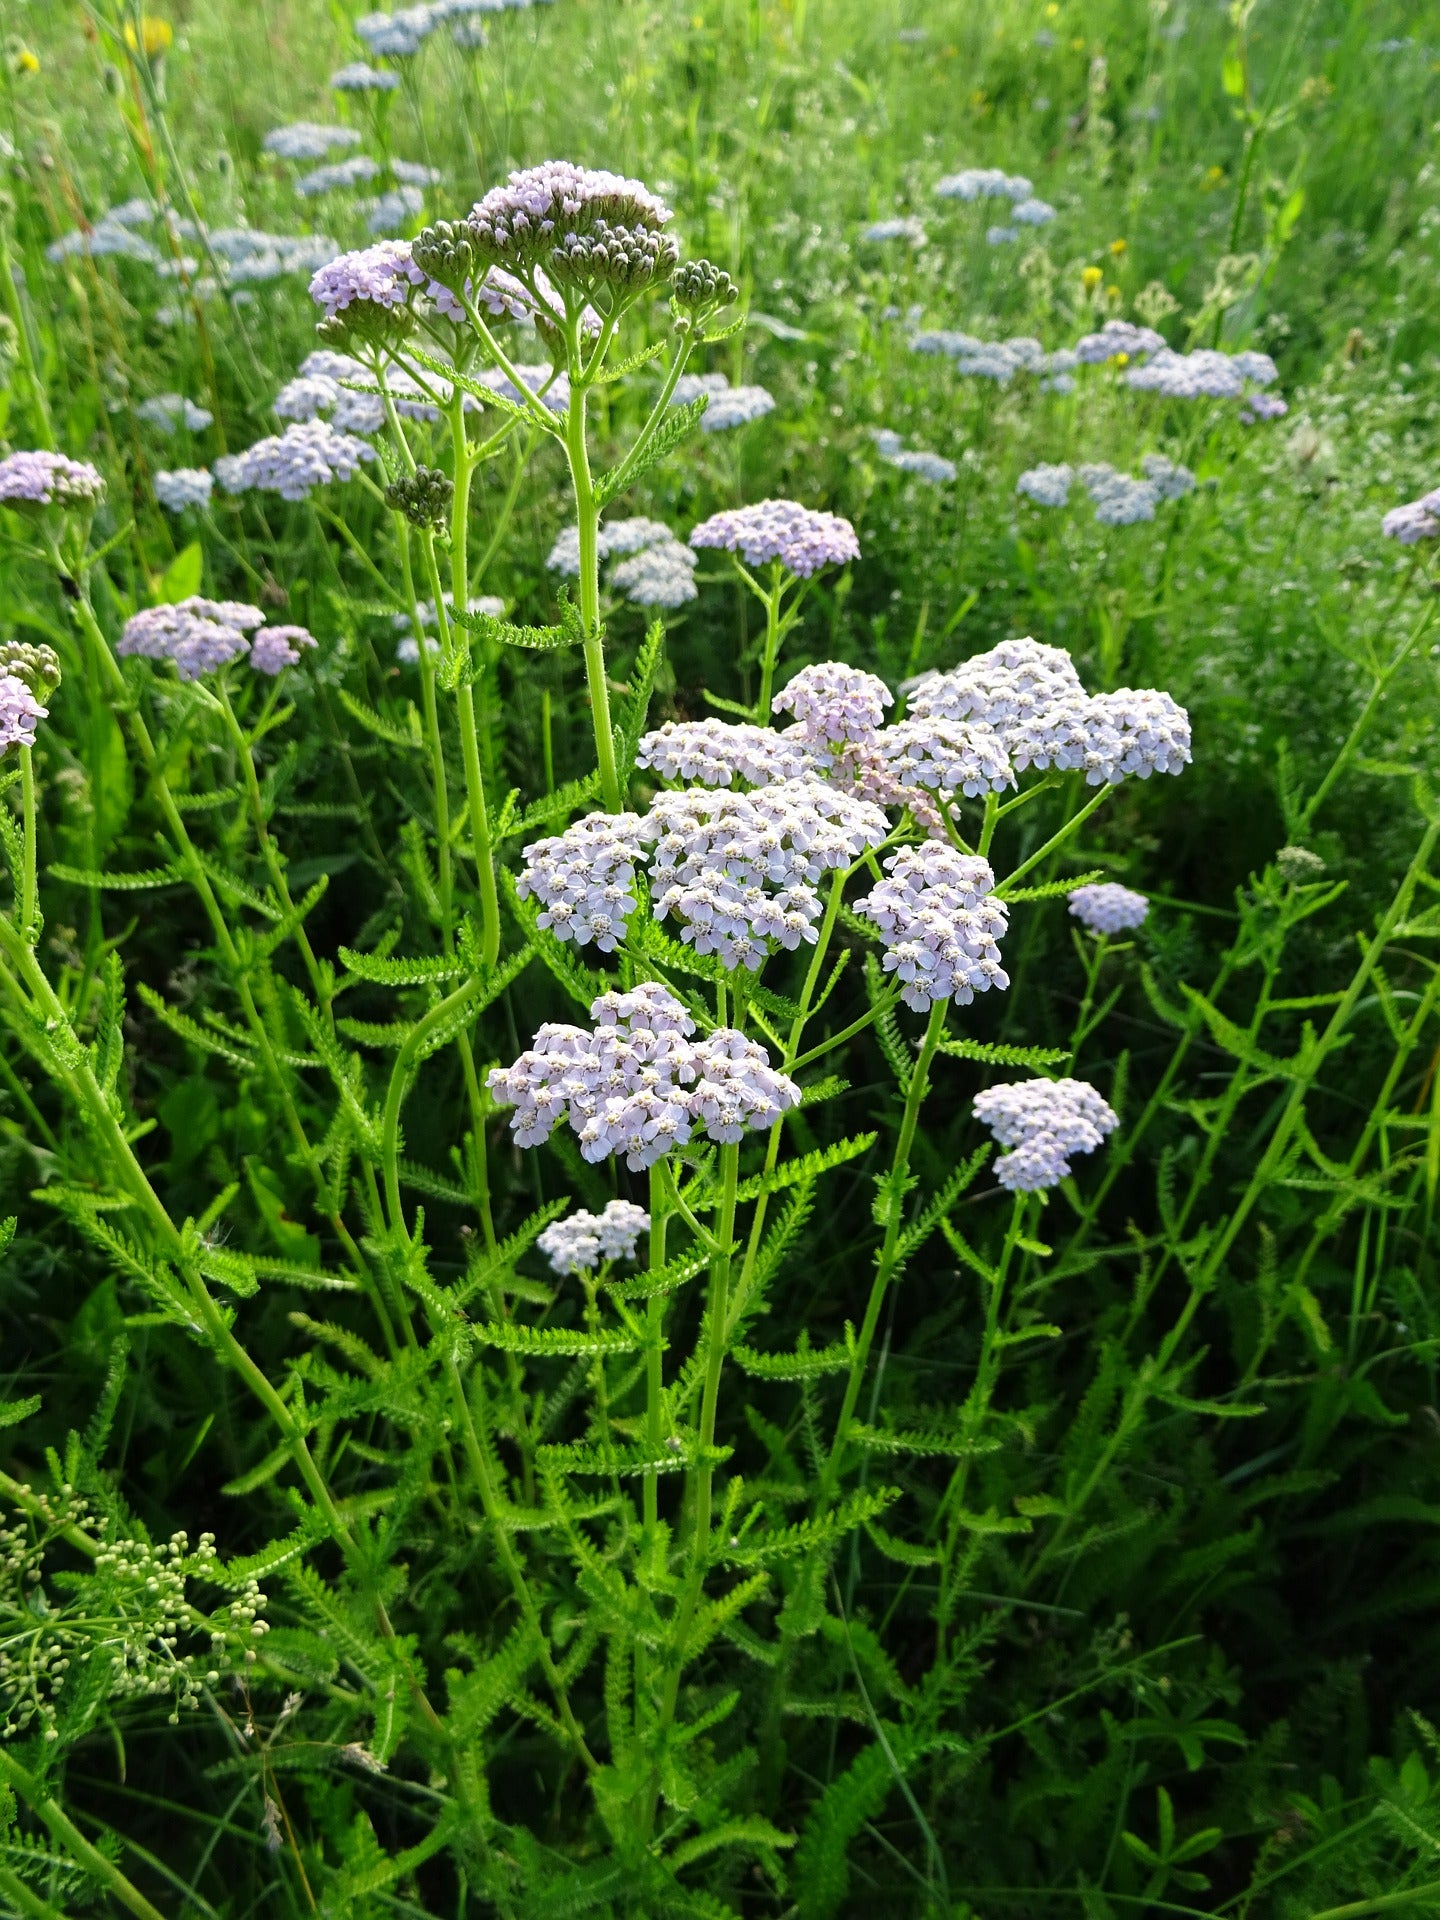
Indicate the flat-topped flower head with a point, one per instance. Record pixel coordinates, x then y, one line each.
738 870
184 487
197 634
728 407
1106 907
718 753
1044 1123
1170 479
802 540
1153 731
581 1241
584 879
275 648
834 704
584 225
1417 520
37 478
983 183
360 77
398 36
377 277
940 924
662 575
295 462
1205 373
638 1084
20 712
945 756
1048 485
998 687
308 140
1119 501
1117 338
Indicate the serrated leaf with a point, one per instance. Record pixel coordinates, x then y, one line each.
118 882
805 1363
994 1055
383 971
549 1343
410 736
805 1166
677 424
675 1273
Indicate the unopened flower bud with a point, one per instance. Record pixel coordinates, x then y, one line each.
701 284
34 663
424 497
444 252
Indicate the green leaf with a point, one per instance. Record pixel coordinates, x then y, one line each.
677 425
805 1363
1050 889
994 1055
12 1412
548 1343
381 970
569 798
683 1450
409 736
504 633
182 577
119 882
805 1166
644 1286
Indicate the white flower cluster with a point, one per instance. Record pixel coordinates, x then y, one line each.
1106 907
717 753
582 1240
655 569
1205 373
834 705
169 411
1043 1123
308 140
1031 697
1048 485
729 406
940 924
1116 338
309 395
739 870
983 183
902 227
353 171
295 462
584 879
998 360
933 467
1119 499
184 487
637 1084
946 757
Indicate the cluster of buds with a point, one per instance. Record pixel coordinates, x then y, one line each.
34 663
424 497
699 289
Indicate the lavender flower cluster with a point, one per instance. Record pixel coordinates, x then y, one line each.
738 871
983 183
940 924
293 463
655 569
581 1241
902 227
308 140
584 225
584 879
199 635
41 479
637 1084
1417 520
933 467
999 360
1120 499
20 712
1205 373
729 406
1031 697
170 411
717 753
1118 340
1106 908
802 540
834 706
184 487
1043 1123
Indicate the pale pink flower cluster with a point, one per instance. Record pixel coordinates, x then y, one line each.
717 753
940 923
834 705
584 879
1044 1123
199 635
638 1084
19 713
1108 908
802 540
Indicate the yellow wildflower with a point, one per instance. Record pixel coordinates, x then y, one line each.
26 61
155 35
1118 247
1091 278
1213 177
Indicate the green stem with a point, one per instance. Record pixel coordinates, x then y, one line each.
771 653
654 1358
29 913
268 850
1057 839
587 516
412 1051
48 1810
1363 718
885 1263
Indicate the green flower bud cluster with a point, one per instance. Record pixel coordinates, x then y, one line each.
424 497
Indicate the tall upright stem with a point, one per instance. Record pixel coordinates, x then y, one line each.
772 645
587 518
